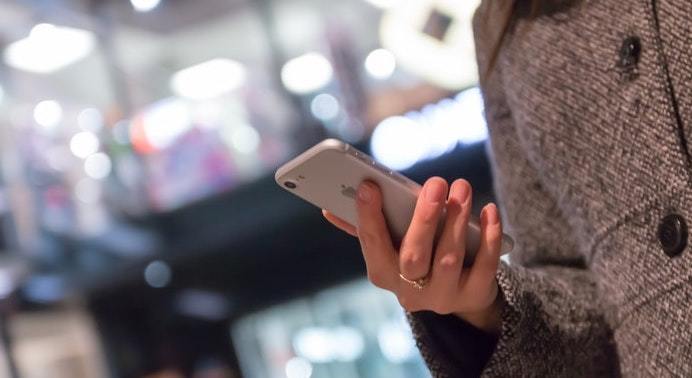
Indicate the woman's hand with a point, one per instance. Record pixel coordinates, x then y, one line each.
449 288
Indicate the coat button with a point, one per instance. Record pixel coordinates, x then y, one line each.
672 234
629 51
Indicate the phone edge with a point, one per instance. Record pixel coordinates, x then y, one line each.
324 145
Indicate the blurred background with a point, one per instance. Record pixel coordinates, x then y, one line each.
142 233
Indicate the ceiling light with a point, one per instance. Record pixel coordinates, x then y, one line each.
210 79
144 5
49 48
306 73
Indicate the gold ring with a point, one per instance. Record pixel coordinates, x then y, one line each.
419 284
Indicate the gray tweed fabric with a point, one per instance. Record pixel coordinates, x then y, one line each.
589 156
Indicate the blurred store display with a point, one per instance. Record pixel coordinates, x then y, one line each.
354 330
60 344
432 39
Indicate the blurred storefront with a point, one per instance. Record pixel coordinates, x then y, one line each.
143 235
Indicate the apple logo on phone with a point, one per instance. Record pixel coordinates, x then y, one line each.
348 191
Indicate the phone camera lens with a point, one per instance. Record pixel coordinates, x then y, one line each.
290 184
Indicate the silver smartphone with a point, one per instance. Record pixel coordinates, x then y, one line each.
328 174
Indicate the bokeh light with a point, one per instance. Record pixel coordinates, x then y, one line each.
306 73
97 166
324 107
209 79
380 64
49 48
144 5
48 114
298 367
158 274
84 144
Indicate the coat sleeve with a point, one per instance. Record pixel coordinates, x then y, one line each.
553 323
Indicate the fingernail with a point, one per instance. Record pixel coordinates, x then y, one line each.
435 191
463 193
364 193
492 214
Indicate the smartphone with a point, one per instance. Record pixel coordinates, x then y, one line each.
328 174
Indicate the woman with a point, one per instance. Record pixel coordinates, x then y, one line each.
589 107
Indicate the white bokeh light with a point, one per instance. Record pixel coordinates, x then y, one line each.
48 114
398 142
347 343
306 73
314 343
245 139
209 79
396 342
298 367
165 121
49 48
321 345
474 127
144 5
98 166
324 107
380 64
84 144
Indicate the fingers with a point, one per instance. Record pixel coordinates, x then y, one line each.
449 255
376 243
416 247
340 223
481 277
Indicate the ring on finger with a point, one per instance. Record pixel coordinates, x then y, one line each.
418 284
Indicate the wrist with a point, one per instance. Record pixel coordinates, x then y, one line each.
488 319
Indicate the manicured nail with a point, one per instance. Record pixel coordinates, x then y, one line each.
492 214
435 191
364 194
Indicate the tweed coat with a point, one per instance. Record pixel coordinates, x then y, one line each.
589 110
